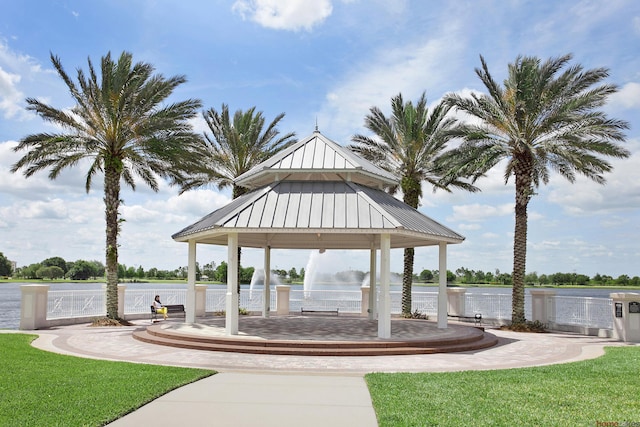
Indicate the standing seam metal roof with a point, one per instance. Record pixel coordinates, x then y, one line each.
317 194
303 205
316 156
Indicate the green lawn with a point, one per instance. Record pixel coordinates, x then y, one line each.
606 389
38 388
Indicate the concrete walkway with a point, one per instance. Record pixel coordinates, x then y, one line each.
240 399
270 390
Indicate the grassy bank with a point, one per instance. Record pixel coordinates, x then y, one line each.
45 389
576 394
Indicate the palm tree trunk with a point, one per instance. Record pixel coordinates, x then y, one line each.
523 195
411 190
407 281
112 203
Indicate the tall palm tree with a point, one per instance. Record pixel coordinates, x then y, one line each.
544 118
122 127
234 147
411 142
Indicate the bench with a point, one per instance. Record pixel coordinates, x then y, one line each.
171 309
303 311
477 318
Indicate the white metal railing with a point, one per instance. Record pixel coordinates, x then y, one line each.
424 302
251 300
580 311
139 300
493 306
70 304
215 300
583 311
344 301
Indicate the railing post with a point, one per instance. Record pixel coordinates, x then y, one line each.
456 301
121 292
33 312
201 300
365 300
543 305
282 300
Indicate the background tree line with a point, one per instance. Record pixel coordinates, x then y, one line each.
58 268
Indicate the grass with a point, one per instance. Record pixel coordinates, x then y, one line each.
39 388
605 389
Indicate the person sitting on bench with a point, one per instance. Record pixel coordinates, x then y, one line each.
159 307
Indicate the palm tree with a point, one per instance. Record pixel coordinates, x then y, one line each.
121 125
411 142
545 118
234 147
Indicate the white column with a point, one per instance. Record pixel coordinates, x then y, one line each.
190 309
626 316
283 293
266 306
541 310
373 306
384 313
33 306
456 301
442 288
201 300
231 319
121 291
364 300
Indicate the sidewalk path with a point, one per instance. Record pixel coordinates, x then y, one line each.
514 350
266 400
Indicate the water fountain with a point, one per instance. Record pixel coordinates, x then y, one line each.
310 271
258 278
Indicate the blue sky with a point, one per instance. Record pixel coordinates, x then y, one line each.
330 61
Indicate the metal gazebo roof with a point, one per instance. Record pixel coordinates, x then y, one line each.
317 195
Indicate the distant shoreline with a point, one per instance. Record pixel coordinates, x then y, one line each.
426 285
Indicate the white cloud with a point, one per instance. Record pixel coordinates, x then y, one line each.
491 236
408 68
291 15
16 71
10 96
477 212
584 197
470 227
194 203
627 97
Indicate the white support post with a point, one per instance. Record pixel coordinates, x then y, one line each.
231 315
266 306
190 312
442 288
373 300
33 307
384 313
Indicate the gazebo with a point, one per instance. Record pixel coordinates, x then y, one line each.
317 194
